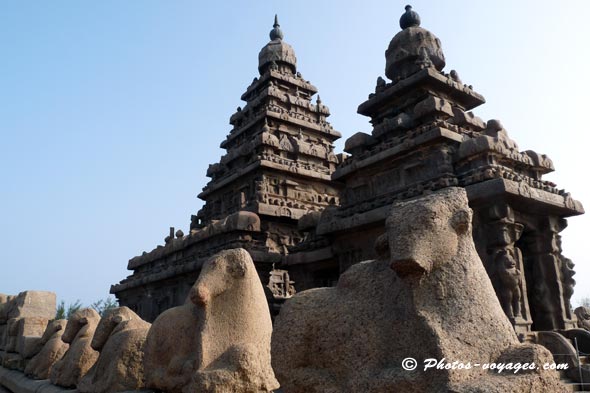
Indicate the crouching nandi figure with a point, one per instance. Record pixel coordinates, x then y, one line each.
427 297
80 357
119 337
52 350
219 340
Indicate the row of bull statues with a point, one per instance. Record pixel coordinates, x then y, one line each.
426 296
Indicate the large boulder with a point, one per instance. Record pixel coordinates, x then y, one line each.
32 304
37 304
427 297
51 348
120 338
80 356
219 340
30 331
22 337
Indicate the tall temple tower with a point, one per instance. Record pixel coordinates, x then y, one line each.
278 166
280 154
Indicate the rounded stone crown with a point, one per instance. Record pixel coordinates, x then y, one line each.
276 51
412 49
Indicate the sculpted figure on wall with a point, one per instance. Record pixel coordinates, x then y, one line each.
510 280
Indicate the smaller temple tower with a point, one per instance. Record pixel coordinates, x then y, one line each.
424 138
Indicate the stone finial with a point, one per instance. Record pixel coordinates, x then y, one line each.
409 18
276 33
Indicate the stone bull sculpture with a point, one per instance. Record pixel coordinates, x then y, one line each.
119 337
52 349
427 297
80 356
219 340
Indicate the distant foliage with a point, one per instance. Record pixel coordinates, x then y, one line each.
64 312
103 305
100 306
585 302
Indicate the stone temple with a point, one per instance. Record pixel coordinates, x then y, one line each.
434 239
306 214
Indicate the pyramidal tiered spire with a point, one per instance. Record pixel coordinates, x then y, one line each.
280 155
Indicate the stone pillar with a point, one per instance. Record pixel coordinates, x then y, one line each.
552 274
497 236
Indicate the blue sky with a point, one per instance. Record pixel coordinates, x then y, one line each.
111 111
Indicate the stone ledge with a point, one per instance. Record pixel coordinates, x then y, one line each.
16 382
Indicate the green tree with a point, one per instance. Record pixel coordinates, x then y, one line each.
103 305
64 312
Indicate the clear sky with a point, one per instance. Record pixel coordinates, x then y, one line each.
111 111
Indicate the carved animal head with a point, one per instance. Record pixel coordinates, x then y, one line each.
583 313
53 327
109 324
429 231
220 273
79 320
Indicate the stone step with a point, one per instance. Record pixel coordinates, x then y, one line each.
574 386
